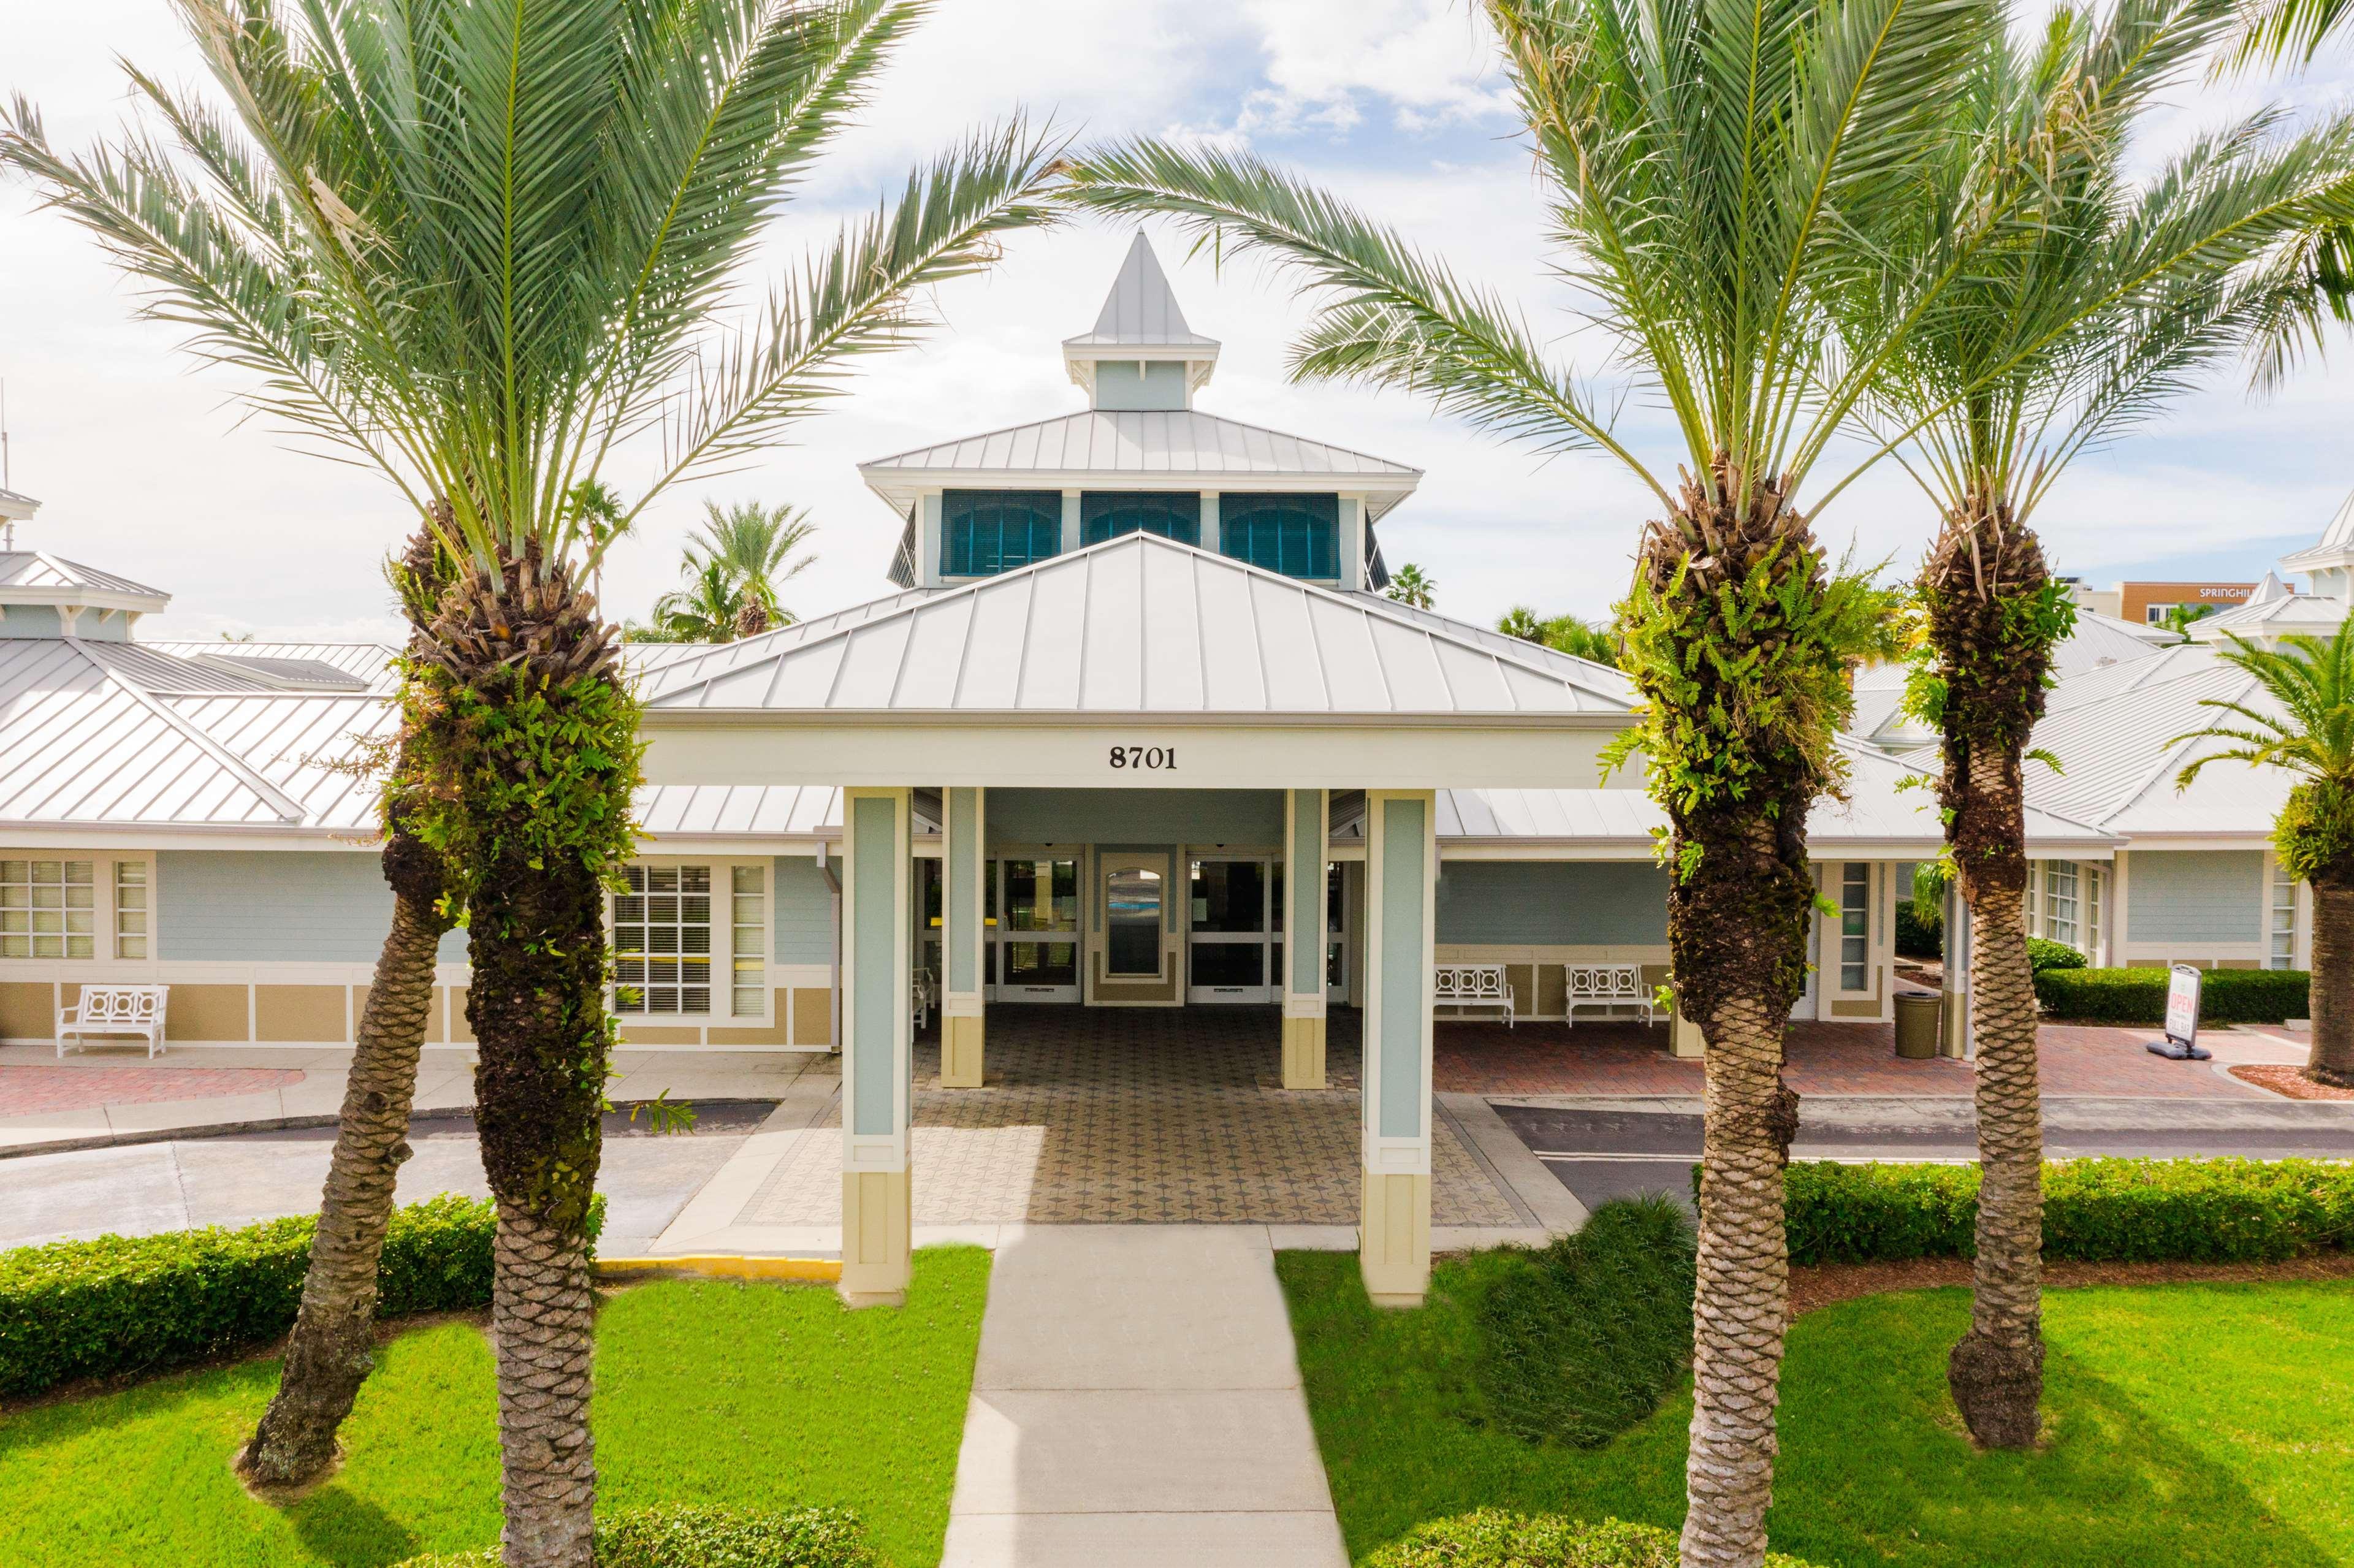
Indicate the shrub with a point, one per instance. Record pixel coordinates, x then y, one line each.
2094 1211
140 1304
2139 996
2043 956
1920 929
1491 1537
679 1536
1586 1340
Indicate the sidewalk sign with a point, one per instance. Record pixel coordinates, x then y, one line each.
2181 1042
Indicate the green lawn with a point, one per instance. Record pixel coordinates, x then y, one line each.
2191 1425
743 1395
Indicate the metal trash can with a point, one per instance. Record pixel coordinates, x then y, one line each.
1916 1025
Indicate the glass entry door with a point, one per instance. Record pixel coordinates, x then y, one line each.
1135 899
1229 942
1032 922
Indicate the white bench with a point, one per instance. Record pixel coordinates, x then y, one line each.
1607 985
1473 985
927 996
118 1010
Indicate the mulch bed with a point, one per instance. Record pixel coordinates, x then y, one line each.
1825 1284
2288 1078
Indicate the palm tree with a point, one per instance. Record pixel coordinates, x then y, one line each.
331 1348
1409 586
1561 633
760 547
2062 333
711 608
600 513
2307 731
474 244
1705 167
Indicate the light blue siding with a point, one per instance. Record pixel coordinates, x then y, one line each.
1306 893
1160 388
963 871
268 906
1405 979
30 620
1553 902
805 912
1252 816
874 820
2201 896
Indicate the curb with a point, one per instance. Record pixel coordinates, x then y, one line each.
715 1266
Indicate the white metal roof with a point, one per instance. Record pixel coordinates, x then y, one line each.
2117 734
1141 312
2279 613
732 810
17 508
1137 624
1179 449
36 577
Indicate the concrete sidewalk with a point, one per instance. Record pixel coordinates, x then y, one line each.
1137 1402
133 1099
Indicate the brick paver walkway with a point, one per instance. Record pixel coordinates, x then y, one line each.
1095 1116
1615 1058
33 1091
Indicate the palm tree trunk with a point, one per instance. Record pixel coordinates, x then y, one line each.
333 1347
1993 615
2332 1003
544 805
1744 678
332 1350
1995 1371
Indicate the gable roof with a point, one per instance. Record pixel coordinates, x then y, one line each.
2117 736
36 577
1137 624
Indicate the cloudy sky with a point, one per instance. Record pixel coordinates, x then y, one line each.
143 465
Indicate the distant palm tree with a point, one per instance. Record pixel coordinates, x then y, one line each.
760 548
1409 586
598 511
1563 634
2308 733
2178 617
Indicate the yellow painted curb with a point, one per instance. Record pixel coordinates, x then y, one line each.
730 1267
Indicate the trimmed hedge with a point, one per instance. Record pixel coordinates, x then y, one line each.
2043 956
687 1537
1491 1537
1588 1335
2139 996
120 1305
2094 1211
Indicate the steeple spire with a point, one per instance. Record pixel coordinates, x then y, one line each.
1141 353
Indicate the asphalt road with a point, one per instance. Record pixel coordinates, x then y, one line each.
239 1177
1601 1152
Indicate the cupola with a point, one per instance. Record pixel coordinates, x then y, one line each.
1141 357
43 595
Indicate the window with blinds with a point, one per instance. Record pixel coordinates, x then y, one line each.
1855 926
2282 953
1107 514
2059 905
662 941
984 532
1299 535
749 997
48 909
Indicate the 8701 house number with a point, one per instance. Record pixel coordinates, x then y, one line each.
1157 758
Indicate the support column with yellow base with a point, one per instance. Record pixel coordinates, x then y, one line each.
964 868
1401 923
878 1046
1395 1242
1306 852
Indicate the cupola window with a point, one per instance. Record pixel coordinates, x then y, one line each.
1172 514
984 532
1297 536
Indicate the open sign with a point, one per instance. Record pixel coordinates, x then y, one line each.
2181 1042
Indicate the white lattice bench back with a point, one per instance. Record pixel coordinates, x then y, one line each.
1473 985
119 1012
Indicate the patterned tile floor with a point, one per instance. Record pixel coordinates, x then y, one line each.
31 1091
1095 1116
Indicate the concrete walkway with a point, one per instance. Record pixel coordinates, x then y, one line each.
1137 1402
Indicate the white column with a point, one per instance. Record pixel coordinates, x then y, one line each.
964 863
1305 832
1401 915
1070 520
1210 522
878 1032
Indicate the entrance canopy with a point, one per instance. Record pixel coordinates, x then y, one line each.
1137 664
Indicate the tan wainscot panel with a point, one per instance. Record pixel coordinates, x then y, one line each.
753 1035
304 1013
635 1033
453 1006
29 1009
206 1012
812 1015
